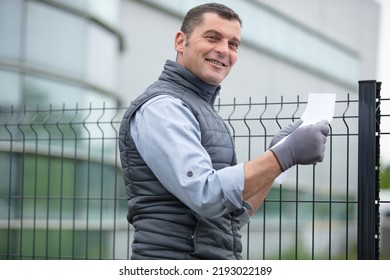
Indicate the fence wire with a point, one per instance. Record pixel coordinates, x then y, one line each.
62 194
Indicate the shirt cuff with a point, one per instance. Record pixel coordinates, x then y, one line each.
233 187
244 219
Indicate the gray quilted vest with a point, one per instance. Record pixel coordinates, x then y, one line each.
164 227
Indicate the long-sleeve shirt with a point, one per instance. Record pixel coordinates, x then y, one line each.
167 136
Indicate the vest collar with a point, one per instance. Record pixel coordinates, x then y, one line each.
177 73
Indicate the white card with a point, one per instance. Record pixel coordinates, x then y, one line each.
320 106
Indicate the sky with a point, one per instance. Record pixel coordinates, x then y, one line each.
383 75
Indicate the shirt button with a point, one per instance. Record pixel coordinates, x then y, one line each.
189 173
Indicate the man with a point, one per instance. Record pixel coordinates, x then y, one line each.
187 196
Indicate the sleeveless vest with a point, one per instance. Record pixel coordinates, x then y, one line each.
165 228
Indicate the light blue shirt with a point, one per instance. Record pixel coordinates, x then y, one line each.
168 138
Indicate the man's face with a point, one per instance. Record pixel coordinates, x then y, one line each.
211 50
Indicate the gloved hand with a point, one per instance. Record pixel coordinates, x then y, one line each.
284 132
305 145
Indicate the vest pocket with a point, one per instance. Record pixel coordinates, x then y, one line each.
218 238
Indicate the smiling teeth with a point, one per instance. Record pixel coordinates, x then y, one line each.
215 62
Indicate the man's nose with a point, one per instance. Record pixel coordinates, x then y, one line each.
222 48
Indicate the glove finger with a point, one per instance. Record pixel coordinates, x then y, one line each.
324 127
323 122
325 130
284 132
322 150
293 126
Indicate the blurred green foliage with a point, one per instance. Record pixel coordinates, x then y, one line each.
385 177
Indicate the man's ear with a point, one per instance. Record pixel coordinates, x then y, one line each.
180 41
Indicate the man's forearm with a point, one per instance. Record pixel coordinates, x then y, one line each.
260 173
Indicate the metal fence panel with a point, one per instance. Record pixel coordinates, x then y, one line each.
313 214
62 193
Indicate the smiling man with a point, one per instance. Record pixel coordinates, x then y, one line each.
187 196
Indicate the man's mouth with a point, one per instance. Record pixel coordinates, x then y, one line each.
215 62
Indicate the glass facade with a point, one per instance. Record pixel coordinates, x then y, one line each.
59 42
55 56
10 29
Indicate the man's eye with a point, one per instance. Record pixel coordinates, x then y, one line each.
212 38
234 46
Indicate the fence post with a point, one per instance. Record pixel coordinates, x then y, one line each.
368 170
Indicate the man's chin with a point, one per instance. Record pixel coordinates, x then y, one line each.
214 79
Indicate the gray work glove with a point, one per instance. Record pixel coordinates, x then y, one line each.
284 132
305 145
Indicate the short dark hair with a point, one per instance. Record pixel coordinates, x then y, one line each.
194 16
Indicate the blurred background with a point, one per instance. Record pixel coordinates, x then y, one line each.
82 53
56 51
